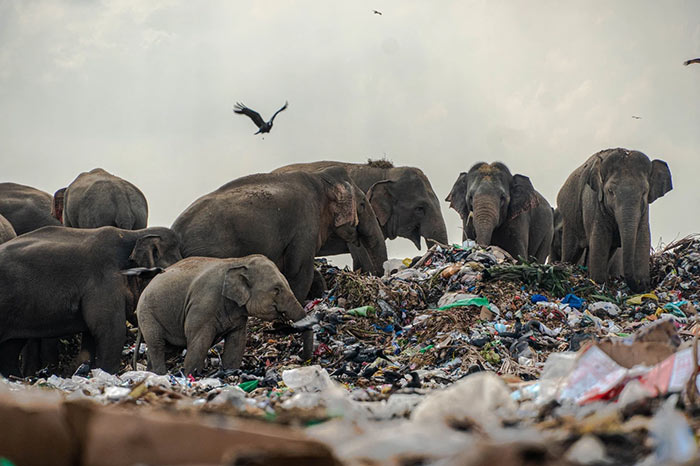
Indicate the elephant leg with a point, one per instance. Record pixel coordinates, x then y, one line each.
152 335
318 286
299 271
105 320
234 347
570 250
31 357
198 343
599 254
9 357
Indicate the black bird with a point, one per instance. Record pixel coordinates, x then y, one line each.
693 60
263 127
636 117
377 12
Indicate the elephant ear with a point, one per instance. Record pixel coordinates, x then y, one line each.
594 178
523 196
58 204
145 252
237 285
458 196
381 199
659 180
345 208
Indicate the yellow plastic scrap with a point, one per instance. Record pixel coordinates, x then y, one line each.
638 299
407 261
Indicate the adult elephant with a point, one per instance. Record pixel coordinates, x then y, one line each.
26 208
401 197
61 281
98 198
501 209
371 255
7 232
284 216
605 205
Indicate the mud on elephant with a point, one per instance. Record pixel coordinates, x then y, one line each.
98 198
501 209
604 205
287 217
61 281
200 300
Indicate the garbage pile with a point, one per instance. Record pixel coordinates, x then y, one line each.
460 356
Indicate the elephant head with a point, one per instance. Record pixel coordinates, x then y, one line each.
406 206
58 203
259 287
155 247
625 183
488 196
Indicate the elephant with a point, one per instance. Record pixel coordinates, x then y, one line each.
604 205
199 300
401 197
98 198
26 208
60 281
372 254
501 209
285 216
6 230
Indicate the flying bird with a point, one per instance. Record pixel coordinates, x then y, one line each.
263 126
636 117
693 60
377 12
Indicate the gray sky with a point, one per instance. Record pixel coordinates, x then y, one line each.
146 90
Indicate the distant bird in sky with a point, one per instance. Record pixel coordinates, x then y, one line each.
636 117
377 12
263 126
693 60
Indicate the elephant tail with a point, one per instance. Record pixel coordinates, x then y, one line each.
137 346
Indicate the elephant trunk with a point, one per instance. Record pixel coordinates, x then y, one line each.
628 224
434 229
302 322
485 219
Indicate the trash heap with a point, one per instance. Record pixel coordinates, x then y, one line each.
460 356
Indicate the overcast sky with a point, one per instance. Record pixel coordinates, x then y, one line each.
145 89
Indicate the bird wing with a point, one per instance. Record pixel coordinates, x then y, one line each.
694 60
284 107
252 114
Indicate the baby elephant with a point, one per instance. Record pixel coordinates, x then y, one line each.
199 300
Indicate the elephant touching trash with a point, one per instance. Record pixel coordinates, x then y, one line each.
59 281
287 217
605 205
200 300
26 208
501 209
98 198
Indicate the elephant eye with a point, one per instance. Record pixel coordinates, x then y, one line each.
420 211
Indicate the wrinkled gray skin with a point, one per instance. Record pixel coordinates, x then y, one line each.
614 266
285 216
504 210
98 198
605 205
26 208
401 197
200 300
6 230
371 255
60 281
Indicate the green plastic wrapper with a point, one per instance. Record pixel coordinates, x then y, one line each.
248 386
466 302
364 311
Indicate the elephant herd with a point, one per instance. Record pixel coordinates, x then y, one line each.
84 260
